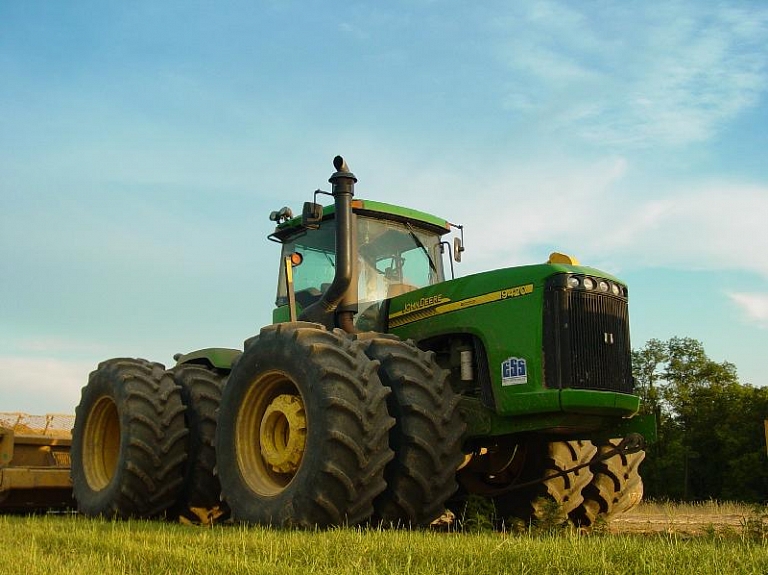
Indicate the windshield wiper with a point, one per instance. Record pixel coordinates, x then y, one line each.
418 243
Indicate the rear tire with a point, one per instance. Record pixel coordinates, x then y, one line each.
426 437
616 487
303 428
200 494
128 441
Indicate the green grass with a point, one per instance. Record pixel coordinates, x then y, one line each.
54 545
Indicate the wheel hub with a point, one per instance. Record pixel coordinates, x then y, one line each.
101 444
283 433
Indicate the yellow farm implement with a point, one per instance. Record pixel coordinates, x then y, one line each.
34 462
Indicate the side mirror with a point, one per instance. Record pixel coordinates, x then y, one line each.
311 215
458 247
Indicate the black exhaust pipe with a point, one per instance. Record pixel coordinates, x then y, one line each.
324 310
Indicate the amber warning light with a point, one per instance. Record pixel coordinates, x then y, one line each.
296 259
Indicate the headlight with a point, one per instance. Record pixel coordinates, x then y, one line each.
594 284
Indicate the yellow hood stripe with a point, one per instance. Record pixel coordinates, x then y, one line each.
415 313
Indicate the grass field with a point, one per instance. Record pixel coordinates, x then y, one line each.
54 545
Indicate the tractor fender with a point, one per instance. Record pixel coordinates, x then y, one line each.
215 357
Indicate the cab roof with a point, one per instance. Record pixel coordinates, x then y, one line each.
379 210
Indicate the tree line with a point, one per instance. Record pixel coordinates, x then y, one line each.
711 441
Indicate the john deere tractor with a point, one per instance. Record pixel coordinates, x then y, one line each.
383 391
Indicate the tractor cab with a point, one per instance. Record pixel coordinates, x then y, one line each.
394 253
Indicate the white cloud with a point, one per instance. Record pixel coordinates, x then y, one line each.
754 306
354 31
510 211
639 75
707 226
41 385
515 212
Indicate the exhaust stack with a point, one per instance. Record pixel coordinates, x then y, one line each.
324 311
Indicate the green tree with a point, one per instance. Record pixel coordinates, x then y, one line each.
711 443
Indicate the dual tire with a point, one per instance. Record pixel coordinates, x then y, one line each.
616 486
603 488
142 444
321 428
129 441
303 431
543 460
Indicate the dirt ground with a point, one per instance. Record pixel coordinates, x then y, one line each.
684 519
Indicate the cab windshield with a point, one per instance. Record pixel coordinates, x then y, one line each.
393 258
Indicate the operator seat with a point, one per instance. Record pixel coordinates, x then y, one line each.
396 289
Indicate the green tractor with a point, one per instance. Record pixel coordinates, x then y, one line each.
383 392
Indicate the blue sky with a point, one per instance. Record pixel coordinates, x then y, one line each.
143 145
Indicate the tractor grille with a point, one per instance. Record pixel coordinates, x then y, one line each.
586 339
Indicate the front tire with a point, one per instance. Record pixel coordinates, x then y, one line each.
426 437
616 487
128 441
302 432
544 460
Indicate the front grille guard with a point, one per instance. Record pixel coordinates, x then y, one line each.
586 339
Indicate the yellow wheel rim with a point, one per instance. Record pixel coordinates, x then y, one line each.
270 433
101 444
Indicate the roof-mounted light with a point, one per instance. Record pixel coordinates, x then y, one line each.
281 215
558 258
